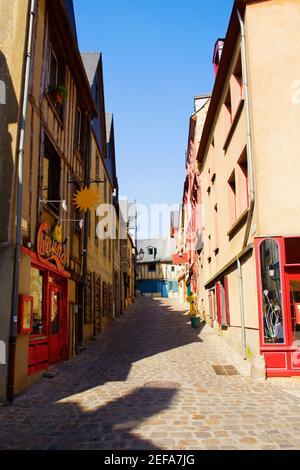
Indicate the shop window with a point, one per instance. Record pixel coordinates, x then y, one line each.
51 178
292 250
232 198
271 285
295 309
36 292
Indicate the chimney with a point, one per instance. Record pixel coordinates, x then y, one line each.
218 54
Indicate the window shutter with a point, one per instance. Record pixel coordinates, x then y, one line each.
211 297
227 300
219 308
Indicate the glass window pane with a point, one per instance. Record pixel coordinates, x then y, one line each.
55 313
36 291
271 292
295 309
27 315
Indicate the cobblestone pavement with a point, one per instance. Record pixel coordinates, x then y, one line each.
109 397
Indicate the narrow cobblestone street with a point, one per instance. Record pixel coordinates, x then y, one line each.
148 383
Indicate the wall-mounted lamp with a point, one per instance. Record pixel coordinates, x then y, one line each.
62 202
80 221
141 254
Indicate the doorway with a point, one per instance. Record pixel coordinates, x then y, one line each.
293 309
57 324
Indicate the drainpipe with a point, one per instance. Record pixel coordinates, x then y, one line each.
249 130
85 233
242 309
113 263
250 175
15 294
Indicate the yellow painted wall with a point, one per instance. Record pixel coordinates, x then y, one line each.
13 21
272 30
100 261
273 39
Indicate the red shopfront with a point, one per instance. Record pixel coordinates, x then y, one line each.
278 276
48 338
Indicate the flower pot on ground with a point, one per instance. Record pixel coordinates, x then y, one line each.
196 322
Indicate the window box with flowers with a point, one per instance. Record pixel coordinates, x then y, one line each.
59 93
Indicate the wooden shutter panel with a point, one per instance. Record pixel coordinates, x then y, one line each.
227 300
219 309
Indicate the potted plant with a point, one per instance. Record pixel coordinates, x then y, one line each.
59 93
195 318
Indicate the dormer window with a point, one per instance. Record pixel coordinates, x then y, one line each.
218 54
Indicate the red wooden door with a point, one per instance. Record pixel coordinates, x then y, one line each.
293 304
57 324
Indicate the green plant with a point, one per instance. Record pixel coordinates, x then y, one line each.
60 89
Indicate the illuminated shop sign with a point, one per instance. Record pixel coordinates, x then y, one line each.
50 248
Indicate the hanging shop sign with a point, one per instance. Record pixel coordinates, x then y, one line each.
180 259
86 199
50 248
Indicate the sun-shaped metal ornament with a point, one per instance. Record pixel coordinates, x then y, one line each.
85 199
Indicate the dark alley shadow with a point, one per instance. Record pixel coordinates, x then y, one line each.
8 115
64 426
150 327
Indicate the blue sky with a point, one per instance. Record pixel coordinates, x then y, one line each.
157 55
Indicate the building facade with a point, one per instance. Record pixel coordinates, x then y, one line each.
190 229
248 161
128 264
156 274
102 290
59 282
